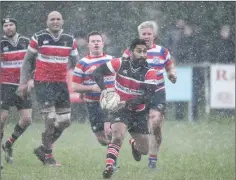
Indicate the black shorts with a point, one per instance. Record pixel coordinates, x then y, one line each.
52 94
97 116
10 98
158 101
135 121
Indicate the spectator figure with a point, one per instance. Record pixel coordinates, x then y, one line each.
225 46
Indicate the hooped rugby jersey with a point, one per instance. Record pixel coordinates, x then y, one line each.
130 82
158 58
12 56
83 74
52 55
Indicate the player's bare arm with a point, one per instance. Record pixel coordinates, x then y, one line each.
80 88
26 72
72 62
98 75
171 72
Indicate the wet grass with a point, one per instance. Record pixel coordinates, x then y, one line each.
200 151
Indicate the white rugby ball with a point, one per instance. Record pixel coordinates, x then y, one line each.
110 101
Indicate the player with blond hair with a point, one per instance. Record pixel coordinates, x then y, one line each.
159 58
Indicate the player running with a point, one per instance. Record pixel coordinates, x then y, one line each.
13 49
83 83
55 50
159 58
135 83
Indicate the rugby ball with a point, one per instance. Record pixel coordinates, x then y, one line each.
110 101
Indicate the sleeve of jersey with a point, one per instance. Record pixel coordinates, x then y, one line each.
74 51
151 77
78 74
168 60
114 65
33 44
27 41
126 53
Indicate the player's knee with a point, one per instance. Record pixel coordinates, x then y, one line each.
4 116
155 118
117 137
118 131
25 121
63 121
49 118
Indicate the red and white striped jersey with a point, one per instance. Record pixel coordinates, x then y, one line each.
83 74
12 56
52 55
131 82
158 58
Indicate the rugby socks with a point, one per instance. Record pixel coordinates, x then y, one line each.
152 158
48 153
56 134
46 143
18 131
112 154
49 156
49 140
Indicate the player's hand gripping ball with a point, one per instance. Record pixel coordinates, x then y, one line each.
109 100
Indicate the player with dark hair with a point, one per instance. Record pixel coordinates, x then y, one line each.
159 58
13 49
135 83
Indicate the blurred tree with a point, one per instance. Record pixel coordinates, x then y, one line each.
120 19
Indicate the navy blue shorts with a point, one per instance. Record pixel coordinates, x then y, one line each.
9 98
158 101
97 116
135 121
49 94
